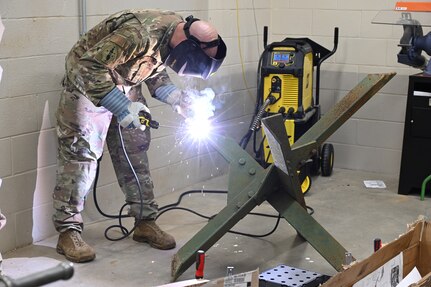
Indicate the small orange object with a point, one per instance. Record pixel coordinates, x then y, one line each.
413 6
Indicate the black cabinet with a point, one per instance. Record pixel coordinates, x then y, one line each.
416 153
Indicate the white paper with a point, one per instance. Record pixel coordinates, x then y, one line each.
238 280
412 277
421 94
374 184
387 275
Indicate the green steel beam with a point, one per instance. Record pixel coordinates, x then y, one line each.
309 229
249 184
243 167
339 114
292 209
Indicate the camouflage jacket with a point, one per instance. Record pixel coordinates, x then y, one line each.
128 48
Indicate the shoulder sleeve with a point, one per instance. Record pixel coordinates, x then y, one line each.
92 69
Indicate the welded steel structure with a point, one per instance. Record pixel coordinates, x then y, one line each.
250 184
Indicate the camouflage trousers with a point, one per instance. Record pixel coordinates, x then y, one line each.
82 129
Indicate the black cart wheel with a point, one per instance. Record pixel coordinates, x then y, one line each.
327 158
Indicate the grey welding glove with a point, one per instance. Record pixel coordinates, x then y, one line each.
126 111
188 102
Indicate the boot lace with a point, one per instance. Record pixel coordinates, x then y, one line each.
76 238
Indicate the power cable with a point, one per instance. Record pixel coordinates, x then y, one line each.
120 215
174 206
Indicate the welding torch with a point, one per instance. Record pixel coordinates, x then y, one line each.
146 120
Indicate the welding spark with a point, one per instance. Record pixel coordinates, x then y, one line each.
199 126
199 129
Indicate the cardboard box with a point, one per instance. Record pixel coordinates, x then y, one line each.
248 279
414 247
187 283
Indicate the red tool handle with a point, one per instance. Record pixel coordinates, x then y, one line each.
377 244
200 264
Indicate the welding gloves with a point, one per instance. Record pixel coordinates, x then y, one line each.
182 102
126 111
189 102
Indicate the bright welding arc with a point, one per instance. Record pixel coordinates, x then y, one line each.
199 125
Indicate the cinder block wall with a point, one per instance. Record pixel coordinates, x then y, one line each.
38 35
36 40
372 139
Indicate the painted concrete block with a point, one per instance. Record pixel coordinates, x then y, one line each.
324 22
20 9
17 116
380 134
17 192
17 71
22 37
372 159
6 156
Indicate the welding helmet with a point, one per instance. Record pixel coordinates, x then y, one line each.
188 58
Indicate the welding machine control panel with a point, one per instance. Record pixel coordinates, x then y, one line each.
282 58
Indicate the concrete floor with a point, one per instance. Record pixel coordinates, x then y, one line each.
353 214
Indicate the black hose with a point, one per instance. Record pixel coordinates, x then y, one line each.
124 230
174 206
246 138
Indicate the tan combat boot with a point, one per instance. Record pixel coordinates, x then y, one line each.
149 232
71 245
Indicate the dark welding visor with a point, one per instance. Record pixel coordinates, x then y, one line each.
189 58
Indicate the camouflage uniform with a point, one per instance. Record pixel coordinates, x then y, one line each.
125 50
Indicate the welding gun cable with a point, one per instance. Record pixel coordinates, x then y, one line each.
96 180
256 122
120 225
185 209
96 201
311 211
169 206
141 208
99 209
246 138
259 150
174 206
261 235
230 231
191 192
268 156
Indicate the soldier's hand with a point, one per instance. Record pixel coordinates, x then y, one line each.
131 120
184 100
